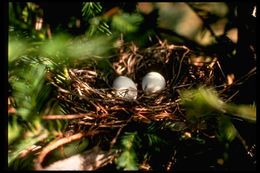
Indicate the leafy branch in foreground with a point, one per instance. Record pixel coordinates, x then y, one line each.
205 104
31 91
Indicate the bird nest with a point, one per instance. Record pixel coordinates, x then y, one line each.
90 89
93 108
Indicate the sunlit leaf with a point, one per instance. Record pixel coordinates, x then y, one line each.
14 131
201 102
246 112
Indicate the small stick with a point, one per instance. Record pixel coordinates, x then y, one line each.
67 117
57 143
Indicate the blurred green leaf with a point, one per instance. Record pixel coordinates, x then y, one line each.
201 102
24 144
226 130
27 90
55 47
16 48
126 23
246 112
91 48
98 24
127 159
14 131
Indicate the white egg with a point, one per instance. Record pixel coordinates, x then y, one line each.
125 87
153 82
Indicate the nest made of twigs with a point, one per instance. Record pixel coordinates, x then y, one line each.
92 106
90 88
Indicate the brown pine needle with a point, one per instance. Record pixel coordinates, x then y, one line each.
68 117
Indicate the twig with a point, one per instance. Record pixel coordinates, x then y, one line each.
233 95
170 164
118 133
179 70
67 117
57 143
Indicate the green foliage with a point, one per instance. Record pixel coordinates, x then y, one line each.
128 159
126 23
55 47
204 104
16 49
201 103
66 51
24 144
92 11
98 24
31 56
175 126
153 139
246 112
226 130
14 130
145 143
29 61
30 93
152 133
22 17
96 47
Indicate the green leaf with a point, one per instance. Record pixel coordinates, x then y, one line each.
28 89
201 102
126 23
16 48
246 112
24 144
55 47
14 131
98 24
96 47
127 159
226 129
